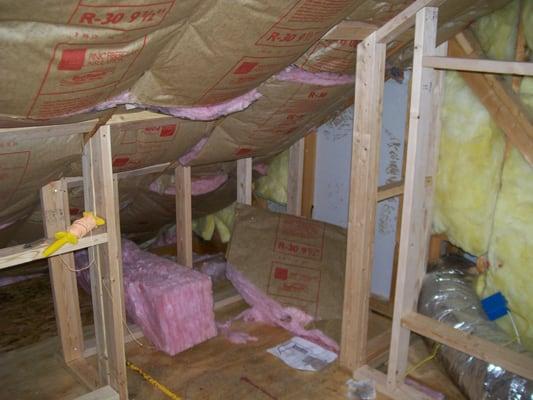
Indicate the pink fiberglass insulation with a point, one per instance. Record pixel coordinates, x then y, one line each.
172 304
203 113
266 310
199 185
294 74
261 168
193 152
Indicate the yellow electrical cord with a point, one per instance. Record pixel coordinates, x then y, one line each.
425 360
162 388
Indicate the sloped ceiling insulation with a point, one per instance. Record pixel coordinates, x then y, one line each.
484 197
68 61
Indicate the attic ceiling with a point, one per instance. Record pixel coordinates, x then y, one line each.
220 66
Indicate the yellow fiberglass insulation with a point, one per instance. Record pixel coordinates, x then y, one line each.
484 200
511 247
273 186
468 178
222 221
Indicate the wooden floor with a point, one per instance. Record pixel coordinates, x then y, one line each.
213 370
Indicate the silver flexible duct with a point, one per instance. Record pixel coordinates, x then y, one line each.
448 296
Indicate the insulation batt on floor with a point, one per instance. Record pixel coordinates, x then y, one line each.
484 195
172 304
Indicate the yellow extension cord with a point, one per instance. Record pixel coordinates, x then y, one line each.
162 388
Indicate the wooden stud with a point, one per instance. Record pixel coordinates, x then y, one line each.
389 191
183 216
106 278
486 66
23 253
308 180
370 72
422 151
295 178
244 181
56 217
104 393
465 342
403 21
520 46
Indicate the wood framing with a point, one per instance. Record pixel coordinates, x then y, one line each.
421 158
295 178
244 181
183 216
369 80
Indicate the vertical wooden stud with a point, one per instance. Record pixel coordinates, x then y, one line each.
244 181
422 150
101 198
308 181
295 178
370 73
56 217
183 216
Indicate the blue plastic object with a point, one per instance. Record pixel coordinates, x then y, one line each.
495 306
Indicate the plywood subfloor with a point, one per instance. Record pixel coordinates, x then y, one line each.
214 370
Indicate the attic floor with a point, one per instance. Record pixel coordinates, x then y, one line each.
213 370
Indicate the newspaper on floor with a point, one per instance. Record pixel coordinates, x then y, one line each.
302 354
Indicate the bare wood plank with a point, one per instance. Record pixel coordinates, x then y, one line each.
504 106
132 333
56 217
227 301
183 216
403 21
20 254
423 139
104 393
350 30
377 347
480 348
295 178
485 66
244 181
400 392
370 72
520 47
37 132
308 180
390 190
104 202
85 372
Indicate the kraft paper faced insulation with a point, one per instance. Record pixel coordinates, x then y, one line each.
484 198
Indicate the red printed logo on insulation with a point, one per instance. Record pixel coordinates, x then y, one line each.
281 273
167 130
245 67
243 151
120 161
72 60
86 77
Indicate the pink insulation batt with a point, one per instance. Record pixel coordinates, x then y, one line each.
172 304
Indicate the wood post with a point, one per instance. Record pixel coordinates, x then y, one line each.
106 274
56 217
369 81
422 151
244 181
295 178
183 216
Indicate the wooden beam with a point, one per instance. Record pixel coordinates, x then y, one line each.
369 81
504 106
400 392
403 21
350 30
465 342
422 151
38 132
308 180
484 66
183 216
56 217
23 253
295 178
101 196
389 191
244 181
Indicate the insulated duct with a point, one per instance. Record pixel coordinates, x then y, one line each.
448 296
